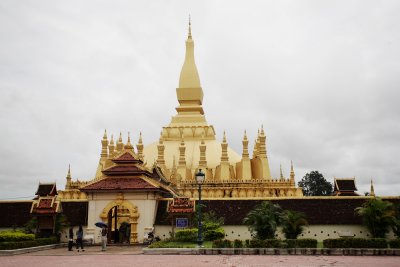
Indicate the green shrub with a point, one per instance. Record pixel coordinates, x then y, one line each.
266 243
300 243
222 243
227 243
207 226
247 243
214 234
218 243
272 243
355 243
394 243
15 236
237 243
28 243
186 235
256 243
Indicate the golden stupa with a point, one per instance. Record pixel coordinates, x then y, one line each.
188 143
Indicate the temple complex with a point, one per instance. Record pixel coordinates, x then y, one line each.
150 186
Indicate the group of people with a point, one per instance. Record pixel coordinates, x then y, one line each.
79 238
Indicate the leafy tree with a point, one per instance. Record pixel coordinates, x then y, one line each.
263 220
314 184
378 216
31 226
293 223
396 221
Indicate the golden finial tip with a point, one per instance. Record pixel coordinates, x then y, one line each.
190 29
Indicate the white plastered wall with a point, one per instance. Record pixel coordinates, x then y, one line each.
319 232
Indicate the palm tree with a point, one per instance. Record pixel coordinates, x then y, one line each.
264 219
293 223
377 215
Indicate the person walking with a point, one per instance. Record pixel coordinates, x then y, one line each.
103 238
70 238
79 238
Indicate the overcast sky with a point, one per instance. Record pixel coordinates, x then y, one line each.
321 76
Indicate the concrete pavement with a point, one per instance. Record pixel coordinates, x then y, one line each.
132 256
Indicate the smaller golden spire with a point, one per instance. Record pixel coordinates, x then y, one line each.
281 173
139 146
128 144
224 147
262 130
372 193
292 173
104 146
120 144
245 143
68 184
111 146
69 171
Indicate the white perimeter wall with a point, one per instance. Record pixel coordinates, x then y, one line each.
319 232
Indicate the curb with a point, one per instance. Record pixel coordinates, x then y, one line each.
273 251
18 251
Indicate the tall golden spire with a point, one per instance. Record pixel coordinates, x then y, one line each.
189 76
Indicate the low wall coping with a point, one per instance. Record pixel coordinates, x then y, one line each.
274 251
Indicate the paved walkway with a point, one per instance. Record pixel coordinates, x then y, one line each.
131 256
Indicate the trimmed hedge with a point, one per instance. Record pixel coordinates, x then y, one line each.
222 243
266 243
237 243
394 243
11 236
28 243
300 243
355 243
214 234
186 235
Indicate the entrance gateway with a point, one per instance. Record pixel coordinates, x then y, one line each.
117 213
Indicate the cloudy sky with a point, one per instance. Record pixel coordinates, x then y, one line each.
321 76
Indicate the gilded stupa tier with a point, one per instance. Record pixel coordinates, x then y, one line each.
188 143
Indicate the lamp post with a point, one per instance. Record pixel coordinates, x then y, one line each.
200 176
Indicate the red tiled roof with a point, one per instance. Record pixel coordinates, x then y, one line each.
120 183
126 157
45 206
345 185
46 189
128 169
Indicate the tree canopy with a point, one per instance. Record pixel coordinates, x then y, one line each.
314 184
378 215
